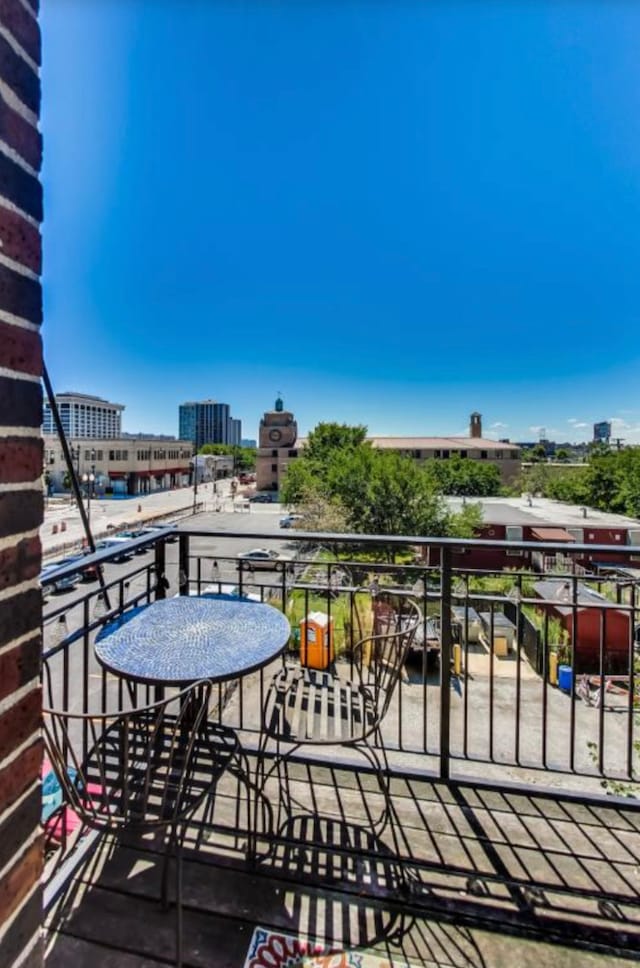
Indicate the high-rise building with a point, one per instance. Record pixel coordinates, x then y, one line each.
208 422
602 432
84 416
235 431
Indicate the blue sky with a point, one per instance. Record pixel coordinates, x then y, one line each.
393 212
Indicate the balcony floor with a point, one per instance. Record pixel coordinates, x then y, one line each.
492 879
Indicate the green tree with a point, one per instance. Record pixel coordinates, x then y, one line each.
244 457
465 477
327 438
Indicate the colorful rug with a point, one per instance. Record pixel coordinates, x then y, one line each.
272 949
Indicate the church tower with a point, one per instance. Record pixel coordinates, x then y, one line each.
277 438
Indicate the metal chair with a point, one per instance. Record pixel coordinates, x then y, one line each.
324 708
140 770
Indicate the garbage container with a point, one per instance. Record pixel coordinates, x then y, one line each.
316 640
564 678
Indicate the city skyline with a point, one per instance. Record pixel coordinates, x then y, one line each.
445 221
575 431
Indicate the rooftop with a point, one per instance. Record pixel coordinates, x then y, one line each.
437 443
517 510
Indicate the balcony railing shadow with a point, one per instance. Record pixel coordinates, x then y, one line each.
490 856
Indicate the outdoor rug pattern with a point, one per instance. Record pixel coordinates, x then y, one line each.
273 949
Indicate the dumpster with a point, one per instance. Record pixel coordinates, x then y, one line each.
564 678
316 640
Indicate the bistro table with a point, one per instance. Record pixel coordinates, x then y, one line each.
177 641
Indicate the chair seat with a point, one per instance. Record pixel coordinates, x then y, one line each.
309 706
157 785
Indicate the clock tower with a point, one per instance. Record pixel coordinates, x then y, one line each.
276 446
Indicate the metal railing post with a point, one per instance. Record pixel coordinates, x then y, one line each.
183 564
160 565
445 660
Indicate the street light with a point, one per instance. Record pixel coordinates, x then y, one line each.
88 480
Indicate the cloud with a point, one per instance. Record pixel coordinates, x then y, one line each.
580 426
498 425
572 419
536 430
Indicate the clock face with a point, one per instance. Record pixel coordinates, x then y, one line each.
275 435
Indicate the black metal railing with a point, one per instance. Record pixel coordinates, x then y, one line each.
517 672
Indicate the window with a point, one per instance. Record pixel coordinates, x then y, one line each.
445 454
577 534
514 533
293 453
514 455
633 536
274 453
483 455
463 453
498 455
436 453
274 468
112 455
99 455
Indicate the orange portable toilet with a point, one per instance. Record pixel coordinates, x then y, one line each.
316 640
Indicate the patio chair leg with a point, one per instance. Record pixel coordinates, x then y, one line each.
179 902
164 894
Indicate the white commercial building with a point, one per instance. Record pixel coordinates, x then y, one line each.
84 416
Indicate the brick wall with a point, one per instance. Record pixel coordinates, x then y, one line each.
20 484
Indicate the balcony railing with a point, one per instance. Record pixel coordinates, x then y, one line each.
519 680
515 671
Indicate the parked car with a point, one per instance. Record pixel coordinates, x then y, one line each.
262 498
289 520
65 582
112 544
260 558
135 533
152 528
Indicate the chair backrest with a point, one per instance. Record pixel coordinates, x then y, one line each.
380 657
137 768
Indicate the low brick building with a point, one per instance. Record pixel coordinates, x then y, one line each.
123 465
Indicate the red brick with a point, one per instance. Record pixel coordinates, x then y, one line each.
20 511
20 349
20 722
21 241
20 76
23 26
20 460
20 774
19 563
19 666
24 927
18 294
20 402
20 616
21 135
20 879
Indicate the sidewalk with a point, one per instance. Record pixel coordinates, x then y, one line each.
62 529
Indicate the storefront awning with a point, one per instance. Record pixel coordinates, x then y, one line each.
551 534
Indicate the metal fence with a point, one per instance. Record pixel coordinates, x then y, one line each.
516 674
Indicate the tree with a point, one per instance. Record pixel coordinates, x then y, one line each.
462 476
562 454
327 438
244 458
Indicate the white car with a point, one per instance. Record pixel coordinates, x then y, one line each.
290 520
259 558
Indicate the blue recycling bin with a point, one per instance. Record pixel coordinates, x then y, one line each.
564 678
